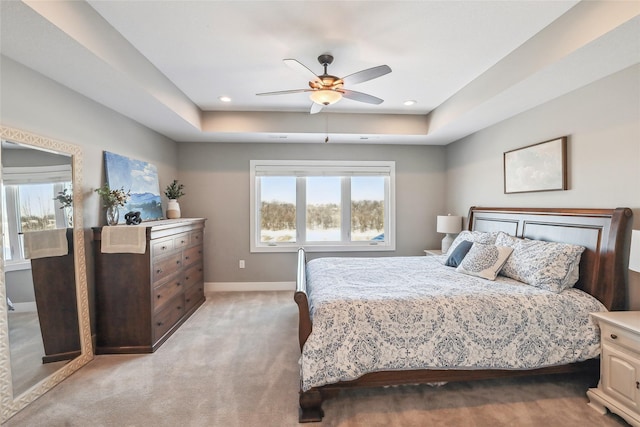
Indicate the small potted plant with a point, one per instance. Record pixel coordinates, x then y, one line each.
65 198
173 193
112 199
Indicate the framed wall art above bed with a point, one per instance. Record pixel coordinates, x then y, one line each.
537 167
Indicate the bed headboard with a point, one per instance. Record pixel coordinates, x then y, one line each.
605 233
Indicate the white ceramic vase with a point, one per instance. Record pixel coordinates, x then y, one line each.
173 209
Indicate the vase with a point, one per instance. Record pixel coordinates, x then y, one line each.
173 209
113 215
69 215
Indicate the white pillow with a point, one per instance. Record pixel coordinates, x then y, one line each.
487 238
484 260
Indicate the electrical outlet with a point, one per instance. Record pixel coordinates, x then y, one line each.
241 264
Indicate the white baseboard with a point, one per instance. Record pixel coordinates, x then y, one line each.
248 286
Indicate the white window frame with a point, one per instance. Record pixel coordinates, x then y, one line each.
303 168
12 177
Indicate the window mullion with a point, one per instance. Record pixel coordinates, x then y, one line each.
345 217
301 210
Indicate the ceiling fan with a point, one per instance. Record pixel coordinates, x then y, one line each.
327 89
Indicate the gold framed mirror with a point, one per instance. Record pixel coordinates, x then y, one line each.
64 347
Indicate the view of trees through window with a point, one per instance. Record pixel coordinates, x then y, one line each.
32 208
37 210
323 209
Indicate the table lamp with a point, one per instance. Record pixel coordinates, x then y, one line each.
449 225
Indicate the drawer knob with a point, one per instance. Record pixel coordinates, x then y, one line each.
159 296
163 248
177 262
159 323
187 277
638 385
159 271
186 257
177 283
614 336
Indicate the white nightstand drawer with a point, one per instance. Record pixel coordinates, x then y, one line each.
620 337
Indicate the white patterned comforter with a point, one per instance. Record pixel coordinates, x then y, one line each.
402 313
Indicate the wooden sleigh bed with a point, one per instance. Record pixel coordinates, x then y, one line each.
605 234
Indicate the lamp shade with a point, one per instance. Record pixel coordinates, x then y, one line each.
325 96
449 224
634 254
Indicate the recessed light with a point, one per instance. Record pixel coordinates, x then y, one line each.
224 98
410 102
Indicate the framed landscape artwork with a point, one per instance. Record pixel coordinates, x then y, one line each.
538 167
139 177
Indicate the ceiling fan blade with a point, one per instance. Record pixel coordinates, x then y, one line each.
365 75
284 92
295 65
315 108
362 97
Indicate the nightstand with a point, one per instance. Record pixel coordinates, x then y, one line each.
619 386
431 252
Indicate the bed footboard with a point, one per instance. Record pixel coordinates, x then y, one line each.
300 297
310 401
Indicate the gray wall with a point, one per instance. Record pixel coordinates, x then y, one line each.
216 177
602 121
34 103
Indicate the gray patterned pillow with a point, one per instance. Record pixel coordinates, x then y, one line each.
546 265
484 260
473 236
504 239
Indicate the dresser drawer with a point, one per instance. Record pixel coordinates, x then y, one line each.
193 275
161 247
163 293
193 296
165 267
168 317
617 336
191 255
181 240
195 237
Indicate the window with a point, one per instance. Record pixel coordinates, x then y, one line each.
29 193
322 205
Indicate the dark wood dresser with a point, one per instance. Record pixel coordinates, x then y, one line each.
54 285
141 299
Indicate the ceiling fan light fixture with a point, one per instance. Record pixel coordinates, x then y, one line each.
325 96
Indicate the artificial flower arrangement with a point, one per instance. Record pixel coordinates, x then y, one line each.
115 197
65 198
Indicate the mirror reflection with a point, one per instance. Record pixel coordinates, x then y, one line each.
38 253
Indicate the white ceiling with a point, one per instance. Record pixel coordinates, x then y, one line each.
468 64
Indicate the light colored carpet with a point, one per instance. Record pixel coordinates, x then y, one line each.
234 363
26 351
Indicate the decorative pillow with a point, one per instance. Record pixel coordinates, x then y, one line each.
473 236
546 265
484 260
458 254
504 239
